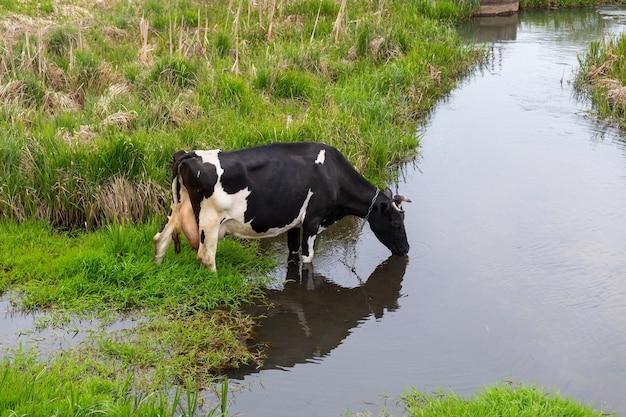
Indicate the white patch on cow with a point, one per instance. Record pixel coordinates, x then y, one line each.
321 157
233 220
212 158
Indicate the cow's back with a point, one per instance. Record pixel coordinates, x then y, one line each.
280 178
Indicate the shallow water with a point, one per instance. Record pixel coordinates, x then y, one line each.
518 257
46 333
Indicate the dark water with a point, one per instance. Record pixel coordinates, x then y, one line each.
517 269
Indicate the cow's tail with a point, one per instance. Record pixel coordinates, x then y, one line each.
171 229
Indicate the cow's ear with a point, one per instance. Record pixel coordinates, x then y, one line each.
388 193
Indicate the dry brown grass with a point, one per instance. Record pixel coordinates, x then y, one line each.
13 92
122 199
121 120
54 101
340 22
14 26
144 30
84 134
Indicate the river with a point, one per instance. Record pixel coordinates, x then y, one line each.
518 251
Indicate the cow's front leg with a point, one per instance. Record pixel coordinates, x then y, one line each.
209 227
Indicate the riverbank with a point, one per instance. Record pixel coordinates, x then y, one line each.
97 98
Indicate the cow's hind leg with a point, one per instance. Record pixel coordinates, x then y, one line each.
293 240
293 243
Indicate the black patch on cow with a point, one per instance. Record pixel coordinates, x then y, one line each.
202 237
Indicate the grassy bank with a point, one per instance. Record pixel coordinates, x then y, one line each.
97 97
189 329
601 77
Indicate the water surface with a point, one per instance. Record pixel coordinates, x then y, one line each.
517 269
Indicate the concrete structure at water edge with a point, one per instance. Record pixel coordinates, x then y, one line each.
497 7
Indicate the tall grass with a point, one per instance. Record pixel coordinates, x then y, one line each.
94 112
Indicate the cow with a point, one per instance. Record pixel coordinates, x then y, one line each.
297 188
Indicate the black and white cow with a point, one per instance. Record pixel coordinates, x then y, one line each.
268 190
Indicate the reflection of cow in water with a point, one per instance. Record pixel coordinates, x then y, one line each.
312 315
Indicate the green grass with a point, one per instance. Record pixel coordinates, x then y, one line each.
113 269
190 330
502 400
191 327
67 386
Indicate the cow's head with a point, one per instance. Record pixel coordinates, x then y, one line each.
387 222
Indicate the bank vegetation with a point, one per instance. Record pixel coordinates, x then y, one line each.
602 78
